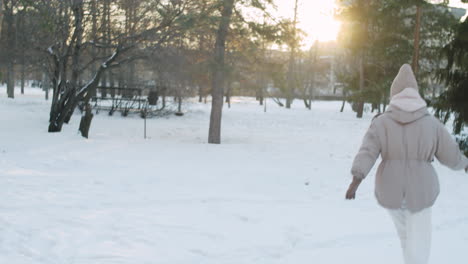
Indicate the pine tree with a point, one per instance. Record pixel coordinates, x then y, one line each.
454 101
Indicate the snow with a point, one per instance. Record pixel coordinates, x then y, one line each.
50 50
272 193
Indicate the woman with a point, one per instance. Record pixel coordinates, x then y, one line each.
408 138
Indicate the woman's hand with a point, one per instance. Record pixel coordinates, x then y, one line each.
351 193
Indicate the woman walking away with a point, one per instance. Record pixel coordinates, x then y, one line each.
408 138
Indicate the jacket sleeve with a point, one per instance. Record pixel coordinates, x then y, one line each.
448 151
368 153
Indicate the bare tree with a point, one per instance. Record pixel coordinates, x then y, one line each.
69 45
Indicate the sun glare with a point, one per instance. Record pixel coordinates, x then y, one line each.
315 18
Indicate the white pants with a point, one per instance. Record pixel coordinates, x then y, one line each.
414 230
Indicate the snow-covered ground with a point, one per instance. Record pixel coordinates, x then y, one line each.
273 192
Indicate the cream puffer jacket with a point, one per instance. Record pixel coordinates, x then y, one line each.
408 138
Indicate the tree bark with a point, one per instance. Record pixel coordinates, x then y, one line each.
314 70
217 93
45 85
10 79
78 10
343 105
86 119
21 30
362 54
94 36
109 42
360 106
86 92
292 63
200 94
179 105
228 95
23 74
260 94
66 95
10 47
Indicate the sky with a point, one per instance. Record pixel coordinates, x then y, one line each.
316 17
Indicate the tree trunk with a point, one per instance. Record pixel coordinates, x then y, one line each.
260 85
362 53
360 106
20 39
306 103
109 42
62 108
10 47
94 30
292 63
23 74
78 10
314 54
200 94
85 122
66 94
163 93
228 96
45 85
217 93
179 103
343 105
121 78
104 85
10 79
111 82
417 31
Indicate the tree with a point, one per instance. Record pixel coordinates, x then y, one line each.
309 74
419 5
9 42
70 52
217 93
293 45
228 9
388 46
358 17
454 101
201 33
248 55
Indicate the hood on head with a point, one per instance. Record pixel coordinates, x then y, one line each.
408 100
406 104
404 79
405 117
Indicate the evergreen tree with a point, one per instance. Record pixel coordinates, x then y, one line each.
454 101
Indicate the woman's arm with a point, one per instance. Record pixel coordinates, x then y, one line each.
365 159
448 152
351 193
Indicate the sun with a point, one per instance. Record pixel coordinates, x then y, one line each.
316 18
